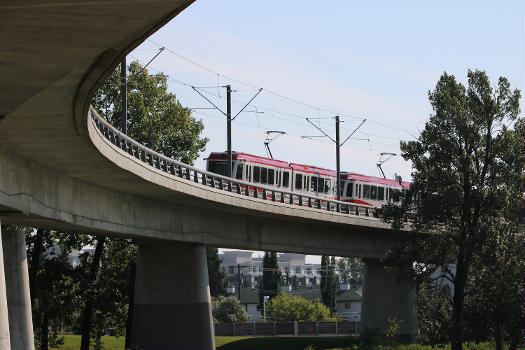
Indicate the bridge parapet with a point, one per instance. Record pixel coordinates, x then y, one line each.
212 180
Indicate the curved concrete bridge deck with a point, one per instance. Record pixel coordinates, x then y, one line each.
59 170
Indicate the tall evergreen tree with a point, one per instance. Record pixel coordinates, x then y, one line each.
216 275
328 281
271 280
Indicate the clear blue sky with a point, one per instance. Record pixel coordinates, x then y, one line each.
360 59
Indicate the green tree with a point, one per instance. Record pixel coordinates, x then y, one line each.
216 275
271 279
328 284
467 168
287 308
52 283
228 310
155 116
350 270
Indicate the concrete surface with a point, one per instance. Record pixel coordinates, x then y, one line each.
18 294
5 342
172 297
384 297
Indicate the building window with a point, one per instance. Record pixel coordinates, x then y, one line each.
231 270
309 270
297 270
348 306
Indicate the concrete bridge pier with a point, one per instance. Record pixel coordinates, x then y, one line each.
18 292
5 342
172 308
385 297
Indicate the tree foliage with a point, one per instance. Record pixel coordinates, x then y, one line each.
155 116
228 310
350 270
468 178
328 284
287 307
271 278
216 275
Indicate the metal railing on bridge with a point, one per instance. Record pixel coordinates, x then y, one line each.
190 173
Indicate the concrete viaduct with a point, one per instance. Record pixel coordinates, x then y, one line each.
62 167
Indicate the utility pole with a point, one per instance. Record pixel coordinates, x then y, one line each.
338 158
229 135
123 95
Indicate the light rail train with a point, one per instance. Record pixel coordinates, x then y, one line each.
307 179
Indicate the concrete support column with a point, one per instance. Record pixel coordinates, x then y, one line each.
5 343
18 294
172 298
385 297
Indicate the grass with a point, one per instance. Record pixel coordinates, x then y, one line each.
72 342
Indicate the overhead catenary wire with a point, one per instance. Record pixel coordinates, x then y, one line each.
273 113
291 99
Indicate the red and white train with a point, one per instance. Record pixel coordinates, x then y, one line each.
355 188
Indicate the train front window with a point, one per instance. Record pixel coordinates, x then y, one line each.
286 179
298 181
380 193
349 189
217 167
238 174
373 192
366 191
271 178
256 174
264 175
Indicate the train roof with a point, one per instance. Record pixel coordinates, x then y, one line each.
374 179
314 170
250 158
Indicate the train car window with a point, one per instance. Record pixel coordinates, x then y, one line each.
249 177
366 191
278 182
271 179
264 175
238 174
256 174
373 192
380 193
307 184
314 183
286 179
396 195
298 181
320 186
349 189
327 186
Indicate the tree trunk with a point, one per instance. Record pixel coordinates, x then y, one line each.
38 247
44 342
497 337
456 332
87 312
131 302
